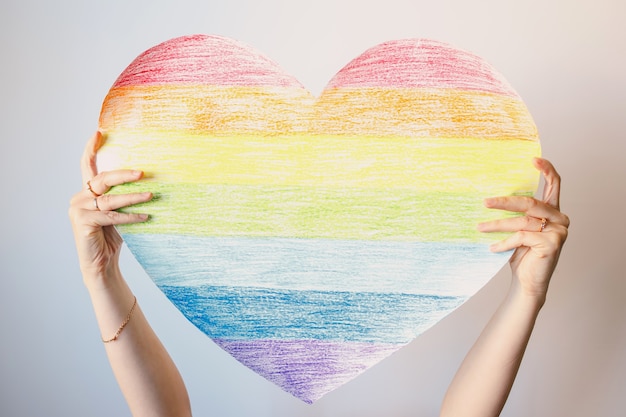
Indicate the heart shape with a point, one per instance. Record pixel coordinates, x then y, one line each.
311 238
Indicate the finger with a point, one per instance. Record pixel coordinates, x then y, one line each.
552 186
529 206
109 202
103 182
83 211
543 244
112 218
525 223
88 166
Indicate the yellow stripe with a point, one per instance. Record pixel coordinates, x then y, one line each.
429 165
219 110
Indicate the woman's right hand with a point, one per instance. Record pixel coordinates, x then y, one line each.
93 215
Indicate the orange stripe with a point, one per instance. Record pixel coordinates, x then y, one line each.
199 109
423 112
270 111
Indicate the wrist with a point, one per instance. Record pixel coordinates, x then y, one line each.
112 299
532 301
98 280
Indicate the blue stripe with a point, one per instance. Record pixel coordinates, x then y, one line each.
259 313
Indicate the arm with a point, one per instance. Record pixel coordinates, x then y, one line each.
484 380
144 370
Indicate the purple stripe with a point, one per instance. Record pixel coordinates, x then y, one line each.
307 369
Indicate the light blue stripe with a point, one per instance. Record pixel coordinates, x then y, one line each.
441 269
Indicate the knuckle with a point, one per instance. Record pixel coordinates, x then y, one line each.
556 241
531 202
75 205
113 215
557 177
105 199
527 222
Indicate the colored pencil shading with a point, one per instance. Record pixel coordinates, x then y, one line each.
312 237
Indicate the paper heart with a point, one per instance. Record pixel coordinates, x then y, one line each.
311 238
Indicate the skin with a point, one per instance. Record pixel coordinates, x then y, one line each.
482 384
143 368
149 378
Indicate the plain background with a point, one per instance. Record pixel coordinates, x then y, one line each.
59 58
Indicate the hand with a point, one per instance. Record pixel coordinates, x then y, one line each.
93 216
539 235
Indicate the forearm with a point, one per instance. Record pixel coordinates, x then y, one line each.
484 380
144 370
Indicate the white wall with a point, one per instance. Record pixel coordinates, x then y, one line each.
59 58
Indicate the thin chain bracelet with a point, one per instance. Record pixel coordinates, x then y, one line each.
126 320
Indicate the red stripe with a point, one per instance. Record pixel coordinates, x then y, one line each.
219 61
421 63
202 59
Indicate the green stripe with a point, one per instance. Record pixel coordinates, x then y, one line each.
305 212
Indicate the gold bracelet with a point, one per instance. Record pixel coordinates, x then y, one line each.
126 320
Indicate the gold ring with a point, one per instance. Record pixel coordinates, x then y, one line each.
95 203
544 222
95 194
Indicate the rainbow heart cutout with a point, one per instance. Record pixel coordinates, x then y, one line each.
311 238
